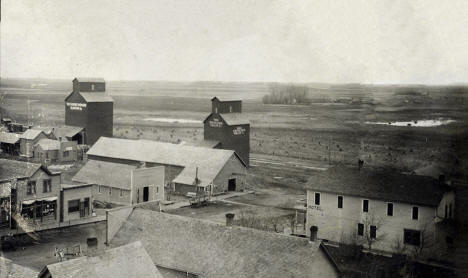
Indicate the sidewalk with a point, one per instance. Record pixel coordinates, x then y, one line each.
43 227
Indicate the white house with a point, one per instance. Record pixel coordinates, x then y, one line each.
386 210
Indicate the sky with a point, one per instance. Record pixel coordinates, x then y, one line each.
340 41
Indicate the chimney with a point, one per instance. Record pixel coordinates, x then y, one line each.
229 219
196 176
360 164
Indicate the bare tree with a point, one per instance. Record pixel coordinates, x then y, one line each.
372 225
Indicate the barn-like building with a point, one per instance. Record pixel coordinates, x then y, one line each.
226 127
187 168
91 108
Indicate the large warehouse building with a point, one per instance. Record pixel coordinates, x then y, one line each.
91 108
227 128
187 168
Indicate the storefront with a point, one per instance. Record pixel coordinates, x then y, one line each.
5 201
40 210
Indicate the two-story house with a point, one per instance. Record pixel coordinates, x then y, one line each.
379 209
29 194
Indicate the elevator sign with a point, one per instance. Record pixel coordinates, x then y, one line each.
216 123
239 131
76 106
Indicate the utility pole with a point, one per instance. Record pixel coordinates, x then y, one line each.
329 151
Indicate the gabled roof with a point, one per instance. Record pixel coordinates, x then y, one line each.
49 144
129 260
225 99
96 97
9 138
13 169
90 79
235 119
208 161
231 118
380 184
11 270
67 131
105 173
31 134
213 250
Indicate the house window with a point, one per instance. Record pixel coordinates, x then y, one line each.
121 192
31 188
360 229
450 211
99 188
390 209
66 153
157 189
216 109
412 237
110 191
317 199
46 186
73 206
415 213
373 231
340 202
445 210
365 205
230 109
92 87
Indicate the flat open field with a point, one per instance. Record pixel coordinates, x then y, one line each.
289 143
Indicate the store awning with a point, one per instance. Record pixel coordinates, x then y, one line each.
50 199
28 202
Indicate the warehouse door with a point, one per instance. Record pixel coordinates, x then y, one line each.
232 185
145 193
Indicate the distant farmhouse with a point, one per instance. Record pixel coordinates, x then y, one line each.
129 260
187 168
91 108
380 208
227 128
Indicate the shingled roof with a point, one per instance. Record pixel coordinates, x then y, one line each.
9 138
105 173
11 270
67 131
208 161
31 134
380 184
12 169
212 250
130 260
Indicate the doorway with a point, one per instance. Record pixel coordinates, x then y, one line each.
232 185
145 193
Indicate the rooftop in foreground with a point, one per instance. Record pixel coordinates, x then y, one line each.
214 250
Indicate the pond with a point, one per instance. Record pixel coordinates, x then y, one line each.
416 123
